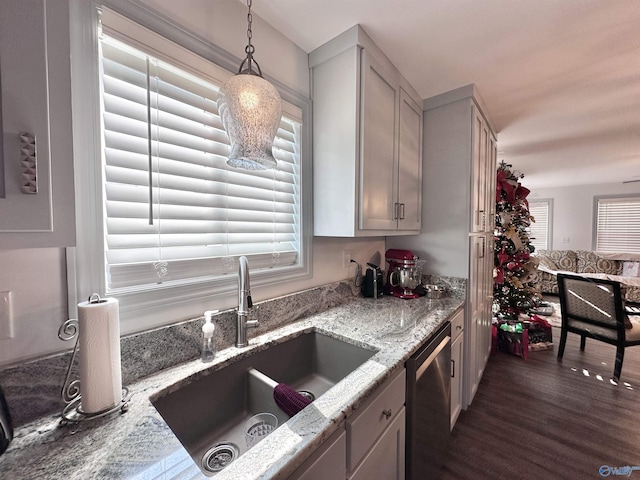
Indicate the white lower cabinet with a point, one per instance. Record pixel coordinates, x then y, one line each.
376 434
457 358
373 445
385 460
329 461
477 330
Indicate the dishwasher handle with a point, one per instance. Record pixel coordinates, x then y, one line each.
429 360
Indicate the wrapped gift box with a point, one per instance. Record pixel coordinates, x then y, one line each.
536 335
515 343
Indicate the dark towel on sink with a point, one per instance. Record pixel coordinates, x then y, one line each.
289 400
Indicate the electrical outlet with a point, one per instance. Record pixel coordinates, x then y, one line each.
346 258
6 316
566 240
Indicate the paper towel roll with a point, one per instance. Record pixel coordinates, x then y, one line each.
99 342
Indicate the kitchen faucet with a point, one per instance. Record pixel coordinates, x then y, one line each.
244 303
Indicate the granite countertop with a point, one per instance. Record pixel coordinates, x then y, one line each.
139 445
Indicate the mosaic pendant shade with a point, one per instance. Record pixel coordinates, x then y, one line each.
250 108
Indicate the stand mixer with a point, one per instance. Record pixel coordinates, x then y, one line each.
404 273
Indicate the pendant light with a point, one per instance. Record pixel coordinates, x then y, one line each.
250 108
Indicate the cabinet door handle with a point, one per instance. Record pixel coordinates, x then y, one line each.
398 211
453 368
482 219
28 163
387 413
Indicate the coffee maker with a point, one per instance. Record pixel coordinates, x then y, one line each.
404 273
372 284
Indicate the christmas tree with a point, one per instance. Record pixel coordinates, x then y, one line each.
514 267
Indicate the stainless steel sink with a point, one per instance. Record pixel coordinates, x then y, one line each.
208 413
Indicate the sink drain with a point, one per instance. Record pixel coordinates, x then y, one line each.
307 394
219 456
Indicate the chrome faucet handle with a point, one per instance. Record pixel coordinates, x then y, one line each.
253 317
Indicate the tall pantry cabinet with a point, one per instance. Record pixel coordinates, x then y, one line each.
458 214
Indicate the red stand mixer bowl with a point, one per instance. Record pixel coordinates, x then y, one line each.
404 274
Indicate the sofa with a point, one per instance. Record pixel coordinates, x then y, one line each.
620 267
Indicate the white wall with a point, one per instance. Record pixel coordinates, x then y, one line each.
36 278
573 211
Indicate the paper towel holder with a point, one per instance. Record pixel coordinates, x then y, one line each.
72 412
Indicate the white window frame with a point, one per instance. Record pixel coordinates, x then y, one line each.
535 226
85 262
629 226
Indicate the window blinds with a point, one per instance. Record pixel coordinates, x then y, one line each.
174 211
539 230
618 225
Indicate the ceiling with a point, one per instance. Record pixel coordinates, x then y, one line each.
560 79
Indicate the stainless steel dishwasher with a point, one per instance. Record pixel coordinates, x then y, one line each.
428 406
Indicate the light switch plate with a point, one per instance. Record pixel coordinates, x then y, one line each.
6 316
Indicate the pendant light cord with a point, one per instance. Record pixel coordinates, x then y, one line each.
249 49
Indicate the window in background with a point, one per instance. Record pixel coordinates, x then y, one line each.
540 230
617 224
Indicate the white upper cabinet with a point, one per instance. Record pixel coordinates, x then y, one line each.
379 150
35 98
483 174
367 146
410 164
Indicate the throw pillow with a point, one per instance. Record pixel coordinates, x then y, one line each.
558 259
590 262
547 262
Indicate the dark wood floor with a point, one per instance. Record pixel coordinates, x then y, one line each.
543 419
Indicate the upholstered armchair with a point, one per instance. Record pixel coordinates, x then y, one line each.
594 308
